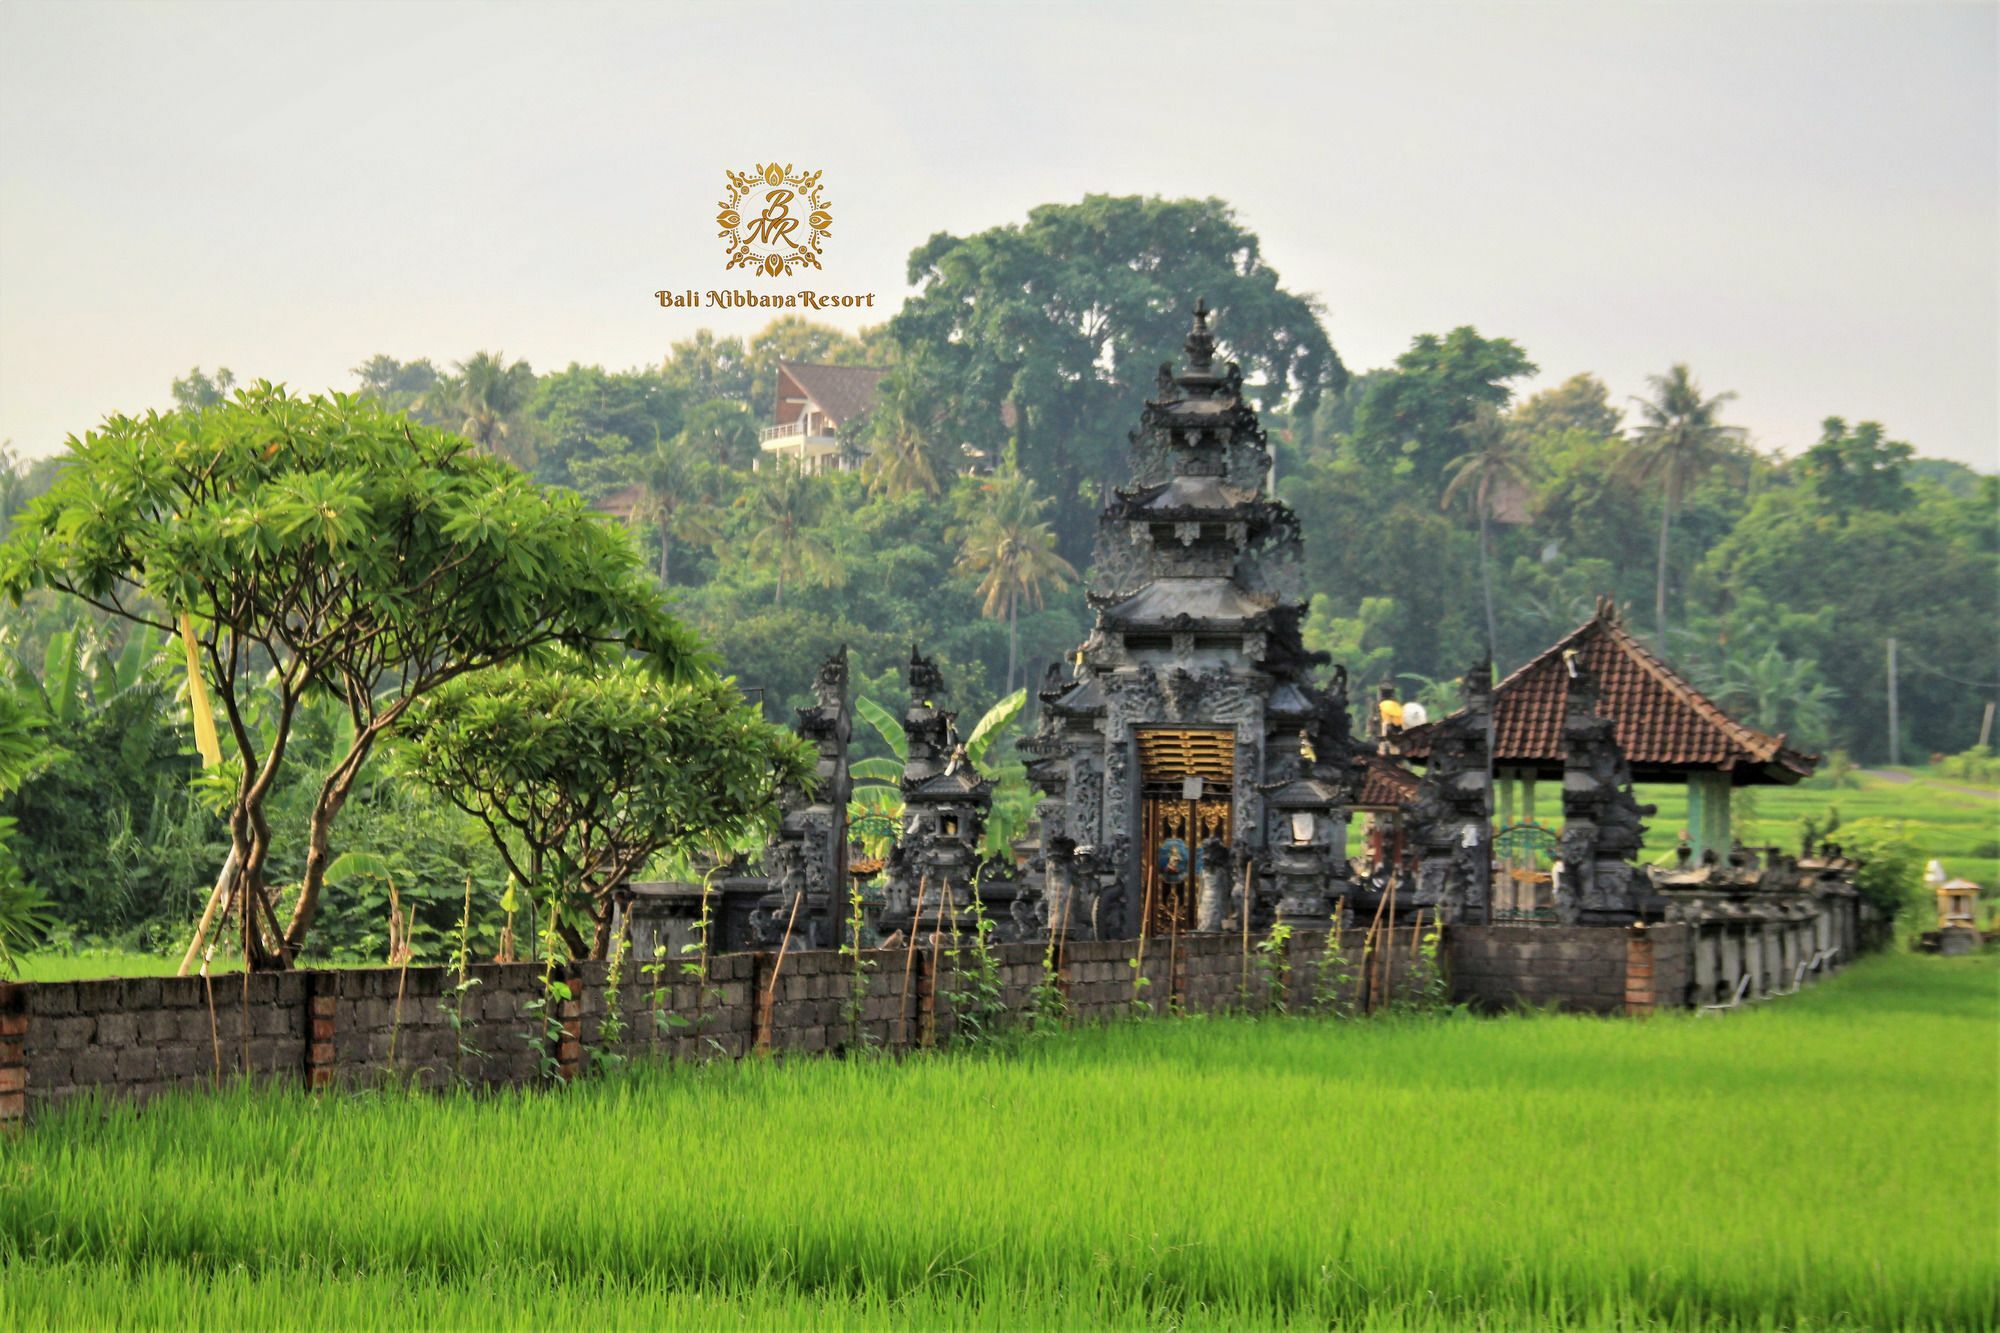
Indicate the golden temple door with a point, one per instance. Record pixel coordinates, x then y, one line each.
1187 781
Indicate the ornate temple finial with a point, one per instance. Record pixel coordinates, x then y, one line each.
1200 342
926 681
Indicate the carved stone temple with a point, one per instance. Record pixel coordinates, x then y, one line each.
1198 770
1187 753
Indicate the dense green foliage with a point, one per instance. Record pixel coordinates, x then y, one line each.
1814 1162
582 775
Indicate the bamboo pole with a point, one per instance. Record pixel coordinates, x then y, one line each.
909 963
1145 920
771 987
248 926
1334 941
216 898
1389 939
1243 888
1368 956
928 1034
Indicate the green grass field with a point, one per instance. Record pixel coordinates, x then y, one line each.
1945 817
88 964
1823 1161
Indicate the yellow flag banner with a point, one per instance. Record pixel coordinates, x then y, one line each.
205 739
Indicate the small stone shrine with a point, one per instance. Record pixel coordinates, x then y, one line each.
934 871
805 864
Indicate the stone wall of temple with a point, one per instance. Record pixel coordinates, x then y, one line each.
140 1038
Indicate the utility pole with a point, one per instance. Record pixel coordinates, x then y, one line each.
1895 741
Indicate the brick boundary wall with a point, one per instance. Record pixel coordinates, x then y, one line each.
347 1028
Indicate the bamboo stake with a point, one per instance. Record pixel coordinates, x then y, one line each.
217 898
1243 983
1368 957
214 1031
248 926
909 964
1334 941
771 987
1415 928
1145 920
928 1033
1389 941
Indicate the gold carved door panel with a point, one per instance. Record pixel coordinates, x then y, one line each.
1185 800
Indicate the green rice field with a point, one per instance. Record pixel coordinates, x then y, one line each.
1941 816
1821 1161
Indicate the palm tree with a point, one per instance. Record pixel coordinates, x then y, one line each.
1014 551
485 399
1678 441
902 455
1497 458
722 431
1774 691
784 506
676 496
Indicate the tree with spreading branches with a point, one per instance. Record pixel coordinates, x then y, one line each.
582 774
324 547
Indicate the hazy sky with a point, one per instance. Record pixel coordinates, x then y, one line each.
1801 201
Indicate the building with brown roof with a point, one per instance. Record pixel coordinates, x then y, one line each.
1668 730
817 413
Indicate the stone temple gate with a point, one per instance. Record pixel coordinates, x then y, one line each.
1191 768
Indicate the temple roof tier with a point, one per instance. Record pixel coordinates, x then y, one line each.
1666 728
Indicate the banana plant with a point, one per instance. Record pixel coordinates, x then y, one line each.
877 797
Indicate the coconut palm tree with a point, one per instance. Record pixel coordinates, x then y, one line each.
1496 458
903 454
483 402
1772 691
784 507
677 496
1013 550
1679 440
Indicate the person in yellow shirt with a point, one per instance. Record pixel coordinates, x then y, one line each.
1391 711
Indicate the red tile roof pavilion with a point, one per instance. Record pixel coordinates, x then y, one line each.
1667 728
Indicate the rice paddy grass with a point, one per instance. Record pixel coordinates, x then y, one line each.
1943 816
1821 1161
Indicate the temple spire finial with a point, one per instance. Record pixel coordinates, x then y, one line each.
1200 342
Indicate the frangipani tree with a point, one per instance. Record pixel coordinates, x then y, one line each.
325 546
582 774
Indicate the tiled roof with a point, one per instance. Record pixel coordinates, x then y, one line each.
1664 725
842 392
1388 783
622 503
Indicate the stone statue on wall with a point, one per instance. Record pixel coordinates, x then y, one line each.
1451 818
1603 826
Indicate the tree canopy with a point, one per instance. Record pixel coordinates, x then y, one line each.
1048 333
582 773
